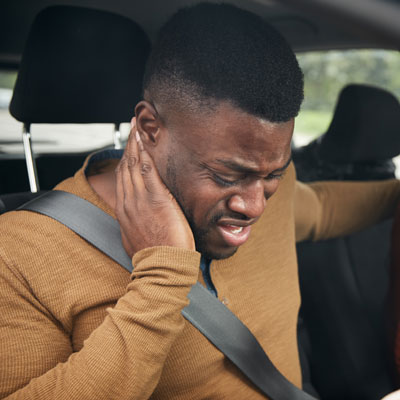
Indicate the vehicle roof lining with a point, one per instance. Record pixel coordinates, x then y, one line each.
303 31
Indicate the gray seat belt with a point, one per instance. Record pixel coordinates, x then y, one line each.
205 311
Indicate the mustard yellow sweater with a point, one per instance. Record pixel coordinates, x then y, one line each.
75 325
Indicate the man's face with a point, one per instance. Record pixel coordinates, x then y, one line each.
222 167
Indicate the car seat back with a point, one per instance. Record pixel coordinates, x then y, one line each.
393 300
14 200
360 142
79 65
344 281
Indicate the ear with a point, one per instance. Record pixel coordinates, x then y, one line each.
148 123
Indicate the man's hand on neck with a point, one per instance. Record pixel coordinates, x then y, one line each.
147 212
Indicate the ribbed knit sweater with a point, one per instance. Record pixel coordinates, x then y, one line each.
75 325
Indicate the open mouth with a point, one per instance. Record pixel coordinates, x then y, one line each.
234 235
238 230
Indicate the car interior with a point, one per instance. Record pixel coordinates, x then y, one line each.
343 291
83 62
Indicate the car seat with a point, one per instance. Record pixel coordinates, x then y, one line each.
344 281
393 300
79 65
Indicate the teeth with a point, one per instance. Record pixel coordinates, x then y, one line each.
237 230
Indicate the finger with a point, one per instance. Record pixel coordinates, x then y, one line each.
125 185
139 141
131 153
148 170
131 162
128 186
133 123
119 192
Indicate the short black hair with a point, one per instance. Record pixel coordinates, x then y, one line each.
215 52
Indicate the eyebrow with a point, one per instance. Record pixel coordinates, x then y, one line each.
241 168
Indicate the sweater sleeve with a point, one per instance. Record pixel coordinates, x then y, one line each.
122 359
324 210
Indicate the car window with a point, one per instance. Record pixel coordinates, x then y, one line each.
327 72
8 125
49 138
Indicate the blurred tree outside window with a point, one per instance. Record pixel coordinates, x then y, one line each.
327 72
7 81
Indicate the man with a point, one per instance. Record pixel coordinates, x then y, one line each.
205 179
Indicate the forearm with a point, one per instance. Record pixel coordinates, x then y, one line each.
329 209
123 358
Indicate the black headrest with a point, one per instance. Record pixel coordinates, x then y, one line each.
80 65
365 127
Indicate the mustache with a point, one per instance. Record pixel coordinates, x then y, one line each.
216 217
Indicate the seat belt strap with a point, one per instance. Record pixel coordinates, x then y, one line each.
212 318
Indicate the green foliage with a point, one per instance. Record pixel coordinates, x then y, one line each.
312 123
326 73
7 79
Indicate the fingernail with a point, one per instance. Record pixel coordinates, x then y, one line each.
137 136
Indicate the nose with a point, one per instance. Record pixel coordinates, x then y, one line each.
250 202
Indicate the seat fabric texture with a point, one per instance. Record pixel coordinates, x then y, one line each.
344 281
12 201
79 65
360 142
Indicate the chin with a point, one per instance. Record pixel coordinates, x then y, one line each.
218 254
210 245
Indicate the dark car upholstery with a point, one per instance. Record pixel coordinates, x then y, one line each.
79 65
344 281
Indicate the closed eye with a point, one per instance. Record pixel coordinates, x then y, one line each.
228 183
279 176
224 182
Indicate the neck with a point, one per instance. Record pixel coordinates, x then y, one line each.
104 185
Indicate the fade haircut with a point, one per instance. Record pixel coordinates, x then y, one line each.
217 52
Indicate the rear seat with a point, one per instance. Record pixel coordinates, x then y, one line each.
81 66
344 281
